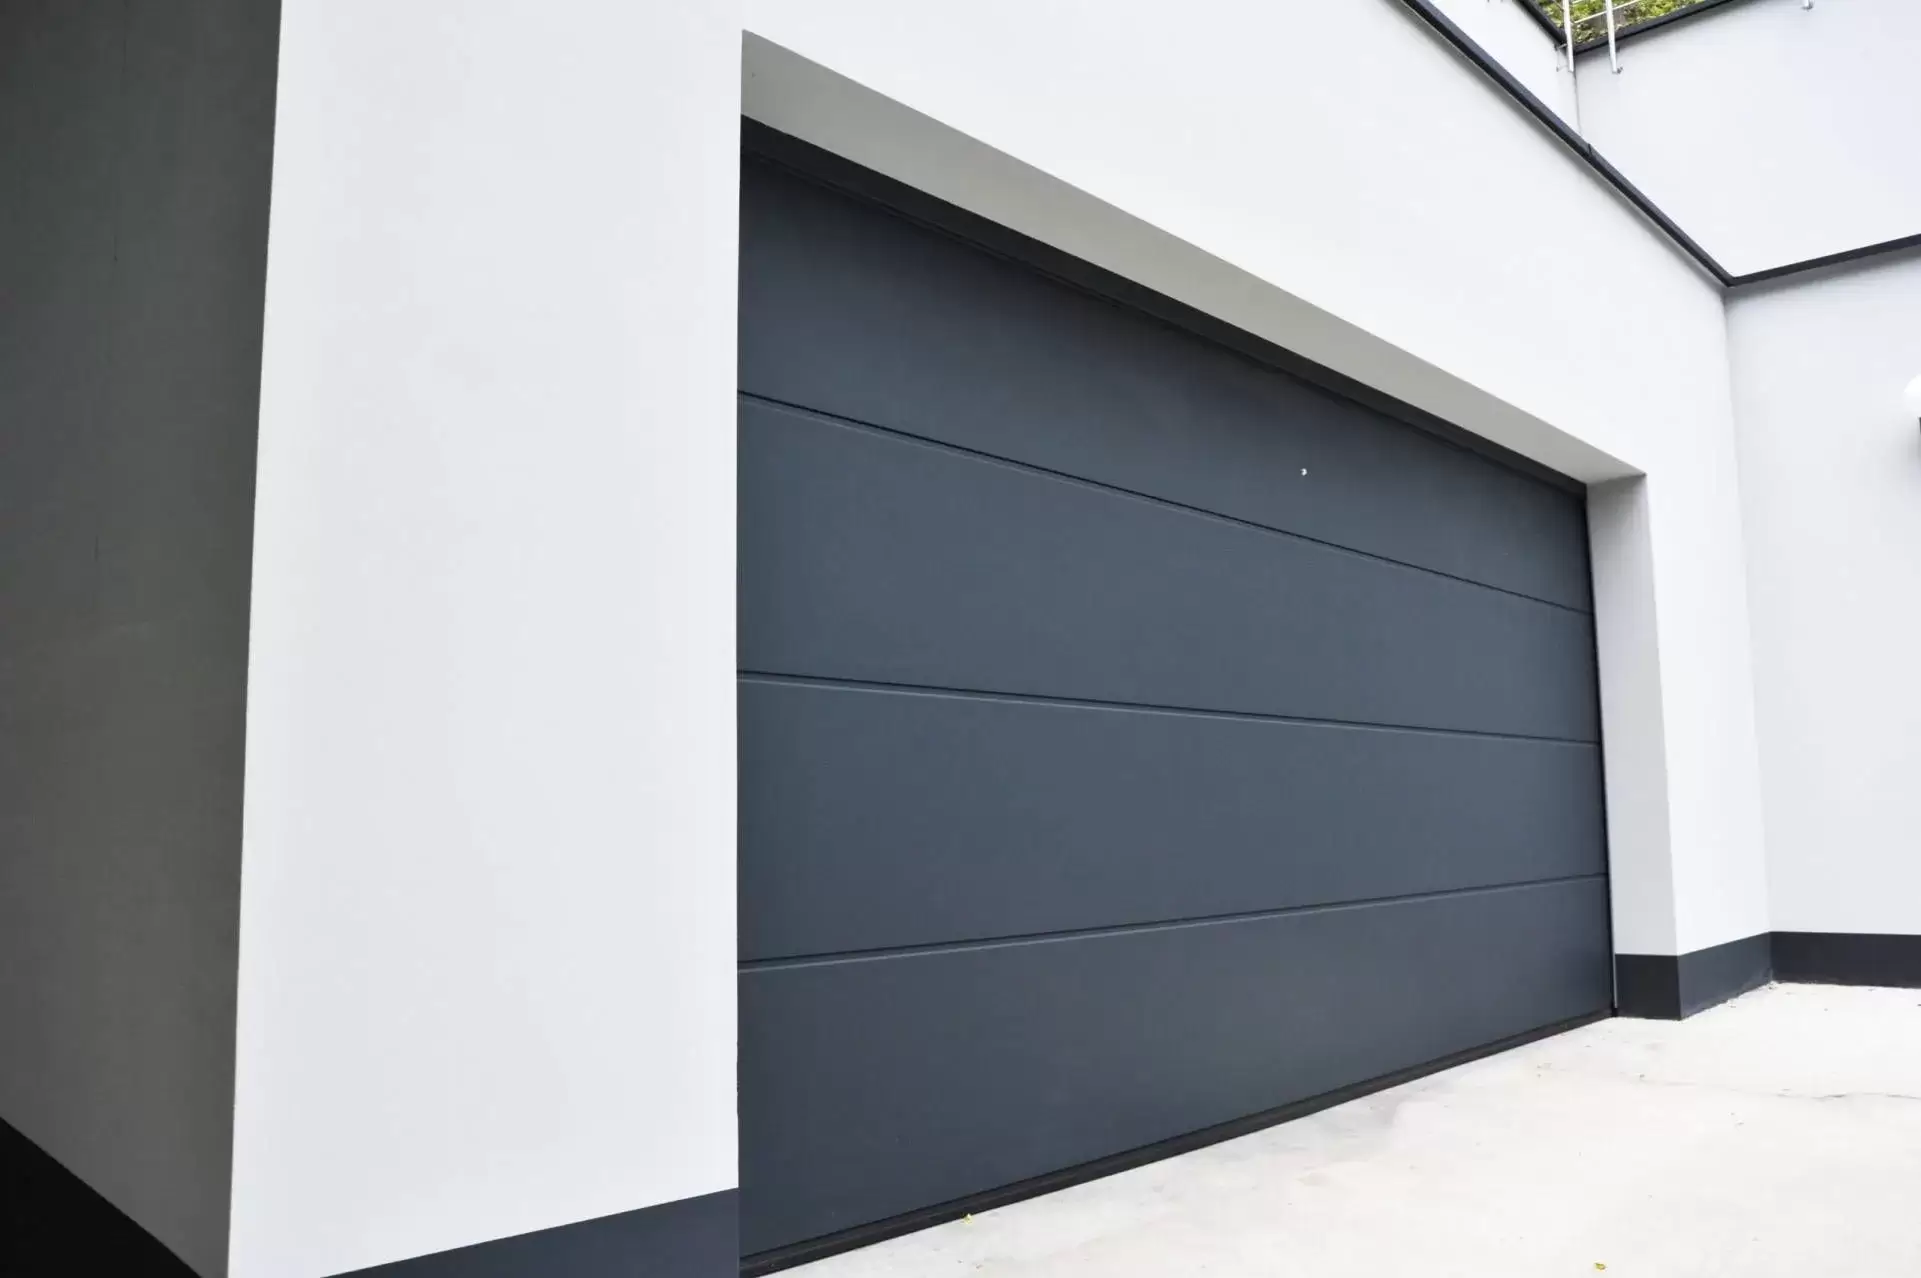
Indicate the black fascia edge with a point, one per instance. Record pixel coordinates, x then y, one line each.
1426 11
1534 11
1843 258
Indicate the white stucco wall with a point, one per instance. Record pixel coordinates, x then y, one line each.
1515 40
1366 209
1831 477
1771 132
487 945
487 954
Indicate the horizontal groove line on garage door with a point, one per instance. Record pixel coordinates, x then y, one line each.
1158 925
779 152
1137 495
989 694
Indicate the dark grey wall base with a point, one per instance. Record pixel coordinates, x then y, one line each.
691 1238
813 1249
1717 974
1647 986
51 1222
1667 987
1848 958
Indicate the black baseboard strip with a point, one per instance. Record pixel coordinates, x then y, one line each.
1669 987
52 1222
1647 986
1713 976
1848 958
688 1238
801 1253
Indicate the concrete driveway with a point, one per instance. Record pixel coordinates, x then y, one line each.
1779 1134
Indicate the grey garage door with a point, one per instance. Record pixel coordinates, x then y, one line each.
1135 735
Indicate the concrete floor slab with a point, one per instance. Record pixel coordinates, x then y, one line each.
1779 1134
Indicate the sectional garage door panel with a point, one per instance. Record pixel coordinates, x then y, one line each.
930 1076
851 310
868 555
1103 777
877 818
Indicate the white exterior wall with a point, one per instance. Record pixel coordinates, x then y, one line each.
487 954
1831 478
1771 132
1515 40
1307 200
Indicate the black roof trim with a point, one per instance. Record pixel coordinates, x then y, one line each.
1444 26
1843 258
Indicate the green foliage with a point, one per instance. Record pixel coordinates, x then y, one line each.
1625 15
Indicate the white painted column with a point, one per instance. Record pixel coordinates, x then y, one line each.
487 954
1831 480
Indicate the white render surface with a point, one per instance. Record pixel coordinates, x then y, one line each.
1514 39
1772 1137
487 908
487 953
1773 131
1831 485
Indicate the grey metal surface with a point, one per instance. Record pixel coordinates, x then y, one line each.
873 1086
135 154
1103 777
849 310
878 817
867 555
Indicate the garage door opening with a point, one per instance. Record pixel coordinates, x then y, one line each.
1142 735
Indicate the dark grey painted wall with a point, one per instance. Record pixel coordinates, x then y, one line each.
135 147
1134 737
